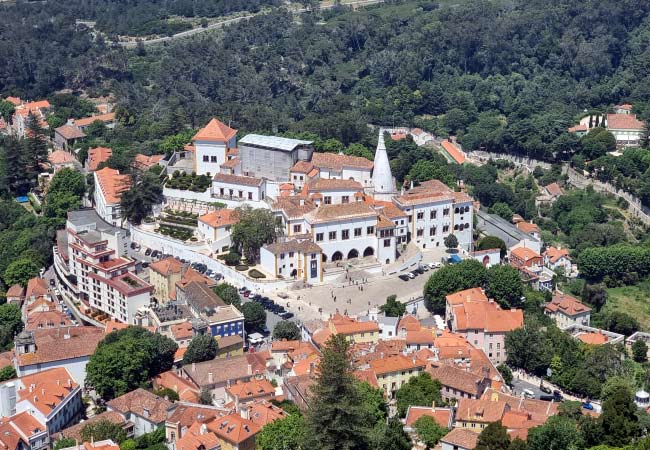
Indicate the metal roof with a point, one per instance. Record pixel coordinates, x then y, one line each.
275 142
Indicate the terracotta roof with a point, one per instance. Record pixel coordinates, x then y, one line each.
220 218
567 305
293 246
576 128
384 222
395 363
453 151
462 438
484 409
554 254
224 369
528 227
524 253
623 122
6 358
553 189
456 378
593 338
108 117
237 179
186 390
332 213
167 266
60 157
98 155
233 428
302 167
144 162
230 163
37 287
467 295
229 341
333 184
251 389
55 345
215 131
16 101
262 412
398 136
47 319
25 423
538 410
197 437
441 416
181 331
409 322
293 207
47 389
426 193
106 444
625 106
15 290
112 184
185 415
70 132
345 325
143 403
487 316
422 336
338 162
367 376
393 212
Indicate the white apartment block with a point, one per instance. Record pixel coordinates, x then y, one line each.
109 185
105 280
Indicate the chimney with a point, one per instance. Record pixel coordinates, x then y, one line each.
245 413
145 412
250 369
210 378
204 428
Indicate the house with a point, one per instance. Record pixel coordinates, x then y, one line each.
109 186
38 109
524 257
108 119
343 167
211 144
458 383
163 276
272 157
146 162
593 336
145 410
215 228
293 259
15 295
484 324
22 431
298 389
475 414
579 130
196 437
186 390
443 416
452 152
51 397
352 329
459 439
626 128
262 412
393 372
530 228
553 191
331 191
493 225
218 373
66 137
566 310
558 259
96 156
488 257
61 159
238 187
106 444
74 432
250 391
234 432
625 108
184 416
36 287
49 348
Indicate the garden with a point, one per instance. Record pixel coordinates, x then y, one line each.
189 182
182 234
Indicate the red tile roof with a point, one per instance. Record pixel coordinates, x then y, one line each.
567 304
441 416
70 132
251 389
554 254
61 157
528 227
593 338
233 428
36 287
47 389
144 162
220 218
215 131
112 184
98 155
524 253
186 390
108 117
167 266
462 438
553 189
338 162
58 344
453 151
395 363
143 403
623 122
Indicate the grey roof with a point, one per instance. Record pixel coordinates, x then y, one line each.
493 225
389 321
88 216
202 298
274 142
171 311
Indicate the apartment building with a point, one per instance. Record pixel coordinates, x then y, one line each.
109 186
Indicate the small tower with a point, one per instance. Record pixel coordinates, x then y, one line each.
382 177
25 343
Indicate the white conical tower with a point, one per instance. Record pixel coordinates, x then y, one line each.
382 177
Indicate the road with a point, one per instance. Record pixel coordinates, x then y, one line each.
220 24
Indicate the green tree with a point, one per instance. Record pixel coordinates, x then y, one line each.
490 242
205 398
103 429
640 351
393 308
6 110
228 293
127 359
35 143
167 393
284 434
429 431
418 391
254 316
286 330
254 228
69 181
452 278
504 285
619 418
138 200
373 404
557 433
595 295
58 204
451 241
359 150
503 210
493 437
431 170
64 443
527 349
390 436
335 419
10 324
7 373
202 348
20 271
506 373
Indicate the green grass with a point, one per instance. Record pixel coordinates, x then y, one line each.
633 300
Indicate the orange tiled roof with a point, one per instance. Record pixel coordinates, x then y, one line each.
36 287
47 319
442 416
215 131
239 180
98 155
456 378
576 128
112 184
60 157
144 162
623 122
70 132
186 390
467 295
47 389
528 227
328 213
302 167
593 338
485 410
409 323
262 412
197 437
453 151
567 304
554 254
251 389
395 363
16 101
26 423
53 345
346 325
524 253
461 437
333 184
553 189
181 331
233 428
338 162
138 401
488 317
167 266
220 218
108 117
16 291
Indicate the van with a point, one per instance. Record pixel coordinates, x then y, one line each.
528 393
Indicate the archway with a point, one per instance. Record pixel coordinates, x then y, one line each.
369 251
337 256
353 253
324 257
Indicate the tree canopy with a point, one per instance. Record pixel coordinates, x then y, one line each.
202 348
286 330
254 228
452 278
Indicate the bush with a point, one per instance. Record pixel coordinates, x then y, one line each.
232 259
241 267
254 273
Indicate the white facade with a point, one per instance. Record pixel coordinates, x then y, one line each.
210 155
233 187
217 238
363 176
347 238
293 260
76 367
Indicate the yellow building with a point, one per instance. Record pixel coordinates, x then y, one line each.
394 371
163 275
354 330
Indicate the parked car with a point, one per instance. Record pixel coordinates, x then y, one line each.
52 282
418 271
155 254
147 252
547 398
545 389
218 276
588 405
424 268
404 277
411 275
145 264
557 394
434 265
286 315
528 393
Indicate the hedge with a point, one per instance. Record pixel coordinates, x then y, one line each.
254 273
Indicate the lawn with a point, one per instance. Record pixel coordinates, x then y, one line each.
633 300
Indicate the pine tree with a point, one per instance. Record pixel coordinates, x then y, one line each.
645 135
14 176
591 121
597 119
36 144
335 419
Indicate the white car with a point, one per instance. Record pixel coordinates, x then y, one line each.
411 275
528 393
434 265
